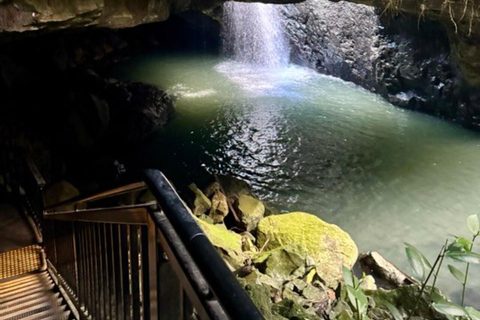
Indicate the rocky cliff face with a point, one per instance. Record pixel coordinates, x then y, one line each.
32 15
407 61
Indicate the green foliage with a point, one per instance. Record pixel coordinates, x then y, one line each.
357 298
449 308
420 265
459 275
458 249
473 224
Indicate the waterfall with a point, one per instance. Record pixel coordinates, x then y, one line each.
253 33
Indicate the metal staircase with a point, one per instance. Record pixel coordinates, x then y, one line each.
96 261
32 297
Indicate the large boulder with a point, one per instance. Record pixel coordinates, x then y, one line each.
250 211
228 243
327 244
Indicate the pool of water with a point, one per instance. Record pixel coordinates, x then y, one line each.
314 143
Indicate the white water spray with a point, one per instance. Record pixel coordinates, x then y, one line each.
253 33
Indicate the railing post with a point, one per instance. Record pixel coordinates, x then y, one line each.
152 269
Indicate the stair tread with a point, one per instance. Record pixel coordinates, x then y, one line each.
52 300
24 294
25 287
65 316
46 305
5 283
36 297
47 313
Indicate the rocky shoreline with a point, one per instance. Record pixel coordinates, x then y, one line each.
292 264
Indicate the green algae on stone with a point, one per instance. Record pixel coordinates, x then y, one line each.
291 310
250 210
201 203
229 243
260 296
327 244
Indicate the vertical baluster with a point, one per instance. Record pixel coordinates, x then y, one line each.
106 285
126 260
82 292
75 257
119 248
92 273
134 234
101 270
149 265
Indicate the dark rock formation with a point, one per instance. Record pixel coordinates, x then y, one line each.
408 62
139 109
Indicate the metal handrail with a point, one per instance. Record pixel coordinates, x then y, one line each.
231 295
132 187
165 225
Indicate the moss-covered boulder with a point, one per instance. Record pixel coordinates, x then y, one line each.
250 210
284 263
228 243
327 244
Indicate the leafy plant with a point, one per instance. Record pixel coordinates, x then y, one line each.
460 250
357 298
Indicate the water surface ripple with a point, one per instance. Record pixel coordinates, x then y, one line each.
314 143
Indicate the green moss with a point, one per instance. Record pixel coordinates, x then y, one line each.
229 243
327 244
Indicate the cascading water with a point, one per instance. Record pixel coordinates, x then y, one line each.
253 33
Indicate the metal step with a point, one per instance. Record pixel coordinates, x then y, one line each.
22 279
32 297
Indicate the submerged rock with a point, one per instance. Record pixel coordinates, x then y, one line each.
250 211
327 244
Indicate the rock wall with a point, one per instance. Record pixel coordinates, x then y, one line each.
406 60
33 15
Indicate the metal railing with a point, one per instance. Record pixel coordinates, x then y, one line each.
143 261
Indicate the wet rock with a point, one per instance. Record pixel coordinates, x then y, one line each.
233 187
250 211
314 294
247 244
291 310
436 67
386 274
260 295
228 243
212 189
201 203
327 244
282 263
219 209
368 283
137 110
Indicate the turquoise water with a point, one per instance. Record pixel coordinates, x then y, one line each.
309 142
